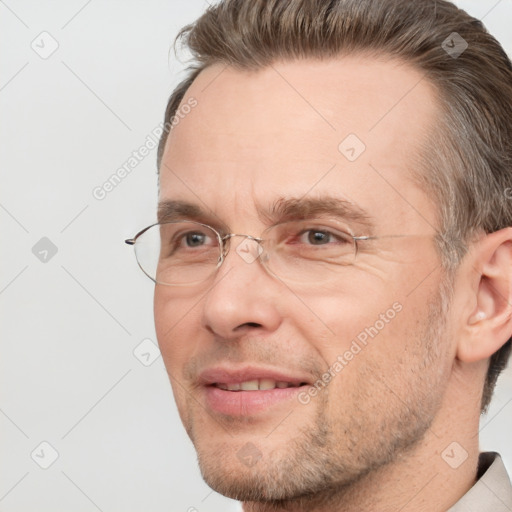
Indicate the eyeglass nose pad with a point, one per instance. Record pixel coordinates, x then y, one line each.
225 246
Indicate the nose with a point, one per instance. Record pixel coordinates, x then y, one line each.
243 296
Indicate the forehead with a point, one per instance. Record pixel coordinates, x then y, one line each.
351 125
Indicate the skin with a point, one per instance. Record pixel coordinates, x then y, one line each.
373 438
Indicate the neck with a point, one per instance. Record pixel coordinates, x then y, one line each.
431 477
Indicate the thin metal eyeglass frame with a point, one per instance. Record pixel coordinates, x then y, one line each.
224 248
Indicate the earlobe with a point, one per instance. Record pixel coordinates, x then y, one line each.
489 324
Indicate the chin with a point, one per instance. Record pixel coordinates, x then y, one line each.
262 469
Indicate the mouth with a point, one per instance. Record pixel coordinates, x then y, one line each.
257 385
250 391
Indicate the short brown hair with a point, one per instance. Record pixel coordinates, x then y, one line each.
466 162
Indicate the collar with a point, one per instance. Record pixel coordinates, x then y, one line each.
492 492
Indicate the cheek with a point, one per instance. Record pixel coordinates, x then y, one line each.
342 316
176 324
373 323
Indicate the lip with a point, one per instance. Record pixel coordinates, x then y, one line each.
248 403
231 375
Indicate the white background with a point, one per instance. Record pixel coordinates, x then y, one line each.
69 326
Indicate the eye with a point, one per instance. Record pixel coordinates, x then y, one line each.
316 236
178 238
194 239
187 241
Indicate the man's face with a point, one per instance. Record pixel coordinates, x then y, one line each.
280 134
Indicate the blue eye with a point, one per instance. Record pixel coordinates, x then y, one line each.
192 240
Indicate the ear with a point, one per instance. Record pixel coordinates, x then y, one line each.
488 324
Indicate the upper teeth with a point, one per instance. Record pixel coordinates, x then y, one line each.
255 385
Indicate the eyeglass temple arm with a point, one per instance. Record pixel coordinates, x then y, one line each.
130 241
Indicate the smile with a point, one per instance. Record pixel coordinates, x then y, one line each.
256 385
250 391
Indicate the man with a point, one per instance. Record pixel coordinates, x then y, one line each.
333 257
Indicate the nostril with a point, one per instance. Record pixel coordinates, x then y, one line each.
252 324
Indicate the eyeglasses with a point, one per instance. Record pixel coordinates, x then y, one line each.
302 251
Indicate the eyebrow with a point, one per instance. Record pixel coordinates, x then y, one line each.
284 209
171 210
281 210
